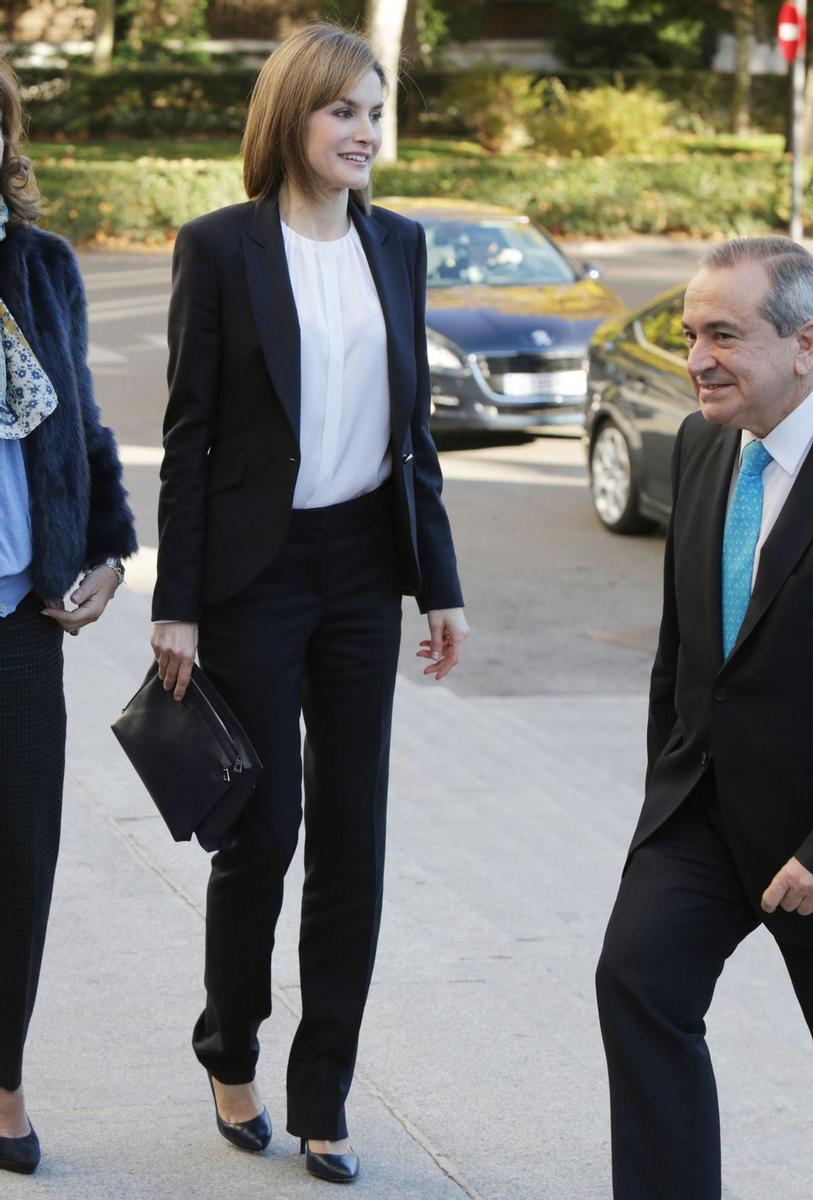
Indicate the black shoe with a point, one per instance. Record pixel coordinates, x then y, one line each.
20 1154
335 1168
253 1135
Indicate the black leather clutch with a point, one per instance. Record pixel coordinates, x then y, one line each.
193 757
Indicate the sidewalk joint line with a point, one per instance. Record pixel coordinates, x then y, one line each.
441 1161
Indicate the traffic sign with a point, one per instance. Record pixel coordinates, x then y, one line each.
791 32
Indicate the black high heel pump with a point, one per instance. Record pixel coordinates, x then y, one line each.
20 1154
253 1135
335 1168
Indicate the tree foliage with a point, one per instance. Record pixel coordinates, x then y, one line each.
633 33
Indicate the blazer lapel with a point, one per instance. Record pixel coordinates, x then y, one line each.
719 467
392 283
272 301
784 546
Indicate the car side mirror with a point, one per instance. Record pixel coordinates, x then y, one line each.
591 270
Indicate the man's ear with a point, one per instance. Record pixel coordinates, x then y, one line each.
804 354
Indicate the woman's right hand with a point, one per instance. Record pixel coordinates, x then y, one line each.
174 644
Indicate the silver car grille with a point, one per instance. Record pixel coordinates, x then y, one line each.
525 375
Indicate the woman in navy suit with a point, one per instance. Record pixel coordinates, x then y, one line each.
300 499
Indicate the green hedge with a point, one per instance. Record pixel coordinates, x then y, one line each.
182 99
136 101
146 200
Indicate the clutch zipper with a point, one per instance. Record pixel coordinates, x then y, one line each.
237 766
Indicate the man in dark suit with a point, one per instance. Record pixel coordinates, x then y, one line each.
724 842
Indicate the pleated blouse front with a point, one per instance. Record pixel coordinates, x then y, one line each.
345 412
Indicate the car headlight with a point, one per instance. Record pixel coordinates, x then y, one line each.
441 355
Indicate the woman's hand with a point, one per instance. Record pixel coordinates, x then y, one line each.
174 644
91 599
448 630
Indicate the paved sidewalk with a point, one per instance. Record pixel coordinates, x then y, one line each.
480 1069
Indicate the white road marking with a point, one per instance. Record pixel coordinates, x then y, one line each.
98 280
127 307
480 470
141 570
141 456
100 356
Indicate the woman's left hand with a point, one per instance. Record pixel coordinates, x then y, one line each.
448 629
90 598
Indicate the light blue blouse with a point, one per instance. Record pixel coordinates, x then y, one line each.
15 521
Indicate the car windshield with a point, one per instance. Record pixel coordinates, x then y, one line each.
491 251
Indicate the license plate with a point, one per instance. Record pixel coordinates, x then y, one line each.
557 383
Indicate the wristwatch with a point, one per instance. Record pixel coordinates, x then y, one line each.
115 564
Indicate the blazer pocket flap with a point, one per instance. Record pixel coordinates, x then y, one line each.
225 472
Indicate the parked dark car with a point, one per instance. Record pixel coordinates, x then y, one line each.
508 319
638 393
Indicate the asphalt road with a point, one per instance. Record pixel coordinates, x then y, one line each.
557 606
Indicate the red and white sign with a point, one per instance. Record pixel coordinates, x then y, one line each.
791 32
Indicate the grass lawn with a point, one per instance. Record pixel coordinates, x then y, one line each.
138 192
441 150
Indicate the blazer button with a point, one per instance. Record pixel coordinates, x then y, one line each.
405 458
291 459
704 758
721 694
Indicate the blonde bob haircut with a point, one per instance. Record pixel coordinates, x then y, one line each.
309 70
18 185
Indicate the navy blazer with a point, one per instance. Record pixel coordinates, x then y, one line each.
79 513
747 716
231 432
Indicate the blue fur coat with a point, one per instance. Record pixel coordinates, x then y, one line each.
79 513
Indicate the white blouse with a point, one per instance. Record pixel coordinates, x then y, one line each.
344 432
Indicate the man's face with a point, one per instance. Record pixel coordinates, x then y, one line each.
744 374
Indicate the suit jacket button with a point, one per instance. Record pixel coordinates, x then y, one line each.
405 458
704 758
291 459
721 694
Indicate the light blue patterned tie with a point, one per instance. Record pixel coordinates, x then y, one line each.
742 525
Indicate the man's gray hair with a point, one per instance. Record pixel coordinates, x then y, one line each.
788 303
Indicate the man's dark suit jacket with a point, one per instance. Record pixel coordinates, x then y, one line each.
751 715
231 432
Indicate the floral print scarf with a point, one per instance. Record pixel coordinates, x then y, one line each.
27 395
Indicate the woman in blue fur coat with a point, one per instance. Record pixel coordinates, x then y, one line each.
63 515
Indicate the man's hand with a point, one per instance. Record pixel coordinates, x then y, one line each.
447 632
174 644
791 888
91 599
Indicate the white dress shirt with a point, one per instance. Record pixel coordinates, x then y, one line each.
344 433
788 445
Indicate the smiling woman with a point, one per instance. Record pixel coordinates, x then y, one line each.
301 497
300 135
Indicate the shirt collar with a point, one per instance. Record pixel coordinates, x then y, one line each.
790 440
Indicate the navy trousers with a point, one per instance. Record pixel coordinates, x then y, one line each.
316 635
32 767
681 911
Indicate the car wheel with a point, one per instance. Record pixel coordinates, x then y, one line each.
612 482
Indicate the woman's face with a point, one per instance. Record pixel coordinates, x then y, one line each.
344 137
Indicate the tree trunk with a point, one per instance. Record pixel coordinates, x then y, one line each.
410 50
385 26
743 32
103 35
